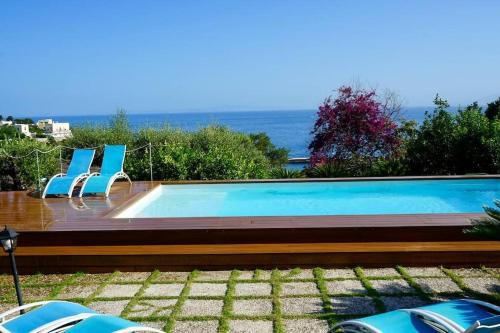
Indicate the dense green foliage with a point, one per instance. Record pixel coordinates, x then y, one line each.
488 227
10 132
277 156
493 109
211 153
21 173
445 143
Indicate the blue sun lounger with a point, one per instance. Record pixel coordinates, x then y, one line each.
458 316
111 170
109 324
44 317
78 170
465 315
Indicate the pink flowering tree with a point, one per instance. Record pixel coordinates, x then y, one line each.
355 126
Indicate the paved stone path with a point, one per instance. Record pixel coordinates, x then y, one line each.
258 301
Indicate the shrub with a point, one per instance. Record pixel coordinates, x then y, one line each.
454 144
493 109
488 227
432 150
211 153
277 156
284 173
22 173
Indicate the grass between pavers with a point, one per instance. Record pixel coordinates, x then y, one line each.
275 279
372 292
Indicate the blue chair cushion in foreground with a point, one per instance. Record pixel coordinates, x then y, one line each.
108 324
462 314
458 316
78 170
111 170
398 321
45 316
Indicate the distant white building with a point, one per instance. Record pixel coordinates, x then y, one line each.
58 131
23 128
43 123
5 122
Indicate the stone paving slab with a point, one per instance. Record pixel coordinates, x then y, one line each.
299 288
114 308
345 287
171 277
77 291
146 308
437 285
391 286
343 273
214 276
305 325
404 302
380 272
425 272
356 305
485 285
301 305
119 290
208 289
253 307
253 289
131 277
250 326
197 307
159 290
202 326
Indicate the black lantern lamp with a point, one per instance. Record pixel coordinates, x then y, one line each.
8 237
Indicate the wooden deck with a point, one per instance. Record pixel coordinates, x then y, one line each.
61 235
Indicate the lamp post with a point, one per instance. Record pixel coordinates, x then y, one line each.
8 237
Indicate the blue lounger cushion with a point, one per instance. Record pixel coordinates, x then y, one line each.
461 312
78 169
111 169
43 315
392 322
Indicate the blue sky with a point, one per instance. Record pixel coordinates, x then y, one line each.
91 57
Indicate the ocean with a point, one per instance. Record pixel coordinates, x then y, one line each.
289 129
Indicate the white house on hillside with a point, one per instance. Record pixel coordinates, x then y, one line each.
58 131
23 128
5 122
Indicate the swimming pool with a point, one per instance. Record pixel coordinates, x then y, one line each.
316 198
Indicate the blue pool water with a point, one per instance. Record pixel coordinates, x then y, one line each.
317 198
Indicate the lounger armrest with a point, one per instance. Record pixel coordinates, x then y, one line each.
437 319
63 322
19 308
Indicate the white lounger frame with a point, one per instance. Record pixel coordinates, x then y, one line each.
49 327
76 180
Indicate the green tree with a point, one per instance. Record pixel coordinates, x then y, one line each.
9 132
10 118
472 133
493 109
432 149
277 156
